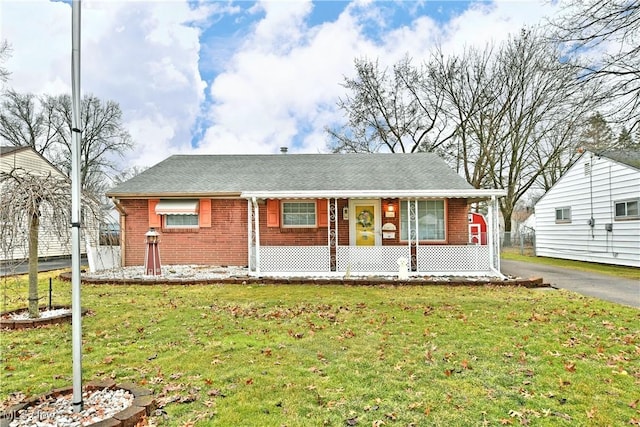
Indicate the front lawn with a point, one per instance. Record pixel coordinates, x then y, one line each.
286 355
609 269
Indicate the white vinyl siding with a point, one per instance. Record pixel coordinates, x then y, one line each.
609 238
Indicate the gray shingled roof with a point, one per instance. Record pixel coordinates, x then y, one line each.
7 149
627 157
183 175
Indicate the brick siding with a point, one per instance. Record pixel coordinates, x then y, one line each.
225 242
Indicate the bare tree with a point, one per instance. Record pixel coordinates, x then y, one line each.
610 32
467 82
29 195
104 139
5 52
538 112
26 121
38 201
45 124
398 111
506 116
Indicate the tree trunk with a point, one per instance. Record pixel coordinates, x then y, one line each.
34 311
507 241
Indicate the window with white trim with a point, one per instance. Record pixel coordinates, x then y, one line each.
180 221
563 215
627 209
299 214
431 220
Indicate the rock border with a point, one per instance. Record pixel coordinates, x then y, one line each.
143 404
534 282
8 323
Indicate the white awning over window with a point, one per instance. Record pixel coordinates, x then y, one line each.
177 207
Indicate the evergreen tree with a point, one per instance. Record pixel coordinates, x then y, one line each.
598 135
625 139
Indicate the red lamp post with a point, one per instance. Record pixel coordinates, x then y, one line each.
152 265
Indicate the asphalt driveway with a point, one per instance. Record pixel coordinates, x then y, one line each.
608 288
43 265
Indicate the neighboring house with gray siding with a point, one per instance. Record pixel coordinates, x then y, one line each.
593 212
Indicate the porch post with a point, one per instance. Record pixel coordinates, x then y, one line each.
256 218
409 231
492 235
250 236
417 231
332 233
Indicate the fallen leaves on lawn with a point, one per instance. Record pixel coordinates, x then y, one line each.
352 421
177 393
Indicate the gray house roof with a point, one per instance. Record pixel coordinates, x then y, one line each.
626 157
8 149
300 175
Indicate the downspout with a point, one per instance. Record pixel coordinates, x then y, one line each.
123 233
493 238
256 219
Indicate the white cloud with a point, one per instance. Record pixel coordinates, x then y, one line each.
143 55
277 87
281 86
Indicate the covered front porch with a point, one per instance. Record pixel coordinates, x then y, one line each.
374 235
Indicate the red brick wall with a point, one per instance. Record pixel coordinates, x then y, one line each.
457 222
225 242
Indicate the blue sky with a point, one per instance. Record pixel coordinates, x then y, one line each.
236 77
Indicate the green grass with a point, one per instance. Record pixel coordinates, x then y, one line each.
329 355
612 270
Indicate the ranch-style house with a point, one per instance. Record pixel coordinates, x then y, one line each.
309 215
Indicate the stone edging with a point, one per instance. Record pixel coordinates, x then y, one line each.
7 323
143 404
535 282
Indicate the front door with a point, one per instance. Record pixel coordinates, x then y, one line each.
364 223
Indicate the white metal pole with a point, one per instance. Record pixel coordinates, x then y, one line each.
76 310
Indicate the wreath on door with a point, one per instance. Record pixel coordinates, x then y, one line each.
365 218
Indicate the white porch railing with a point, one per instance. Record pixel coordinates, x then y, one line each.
455 259
431 260
370 259
295 259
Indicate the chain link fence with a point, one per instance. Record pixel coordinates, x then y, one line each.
522 242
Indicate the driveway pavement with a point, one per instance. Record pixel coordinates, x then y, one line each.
608 288
53 264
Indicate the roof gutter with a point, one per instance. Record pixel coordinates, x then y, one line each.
176 195
350 194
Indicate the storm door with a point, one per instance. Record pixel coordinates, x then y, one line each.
364 223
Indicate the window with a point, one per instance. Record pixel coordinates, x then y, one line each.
628 209
299 214
563 215
431 220
180 221
178 213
